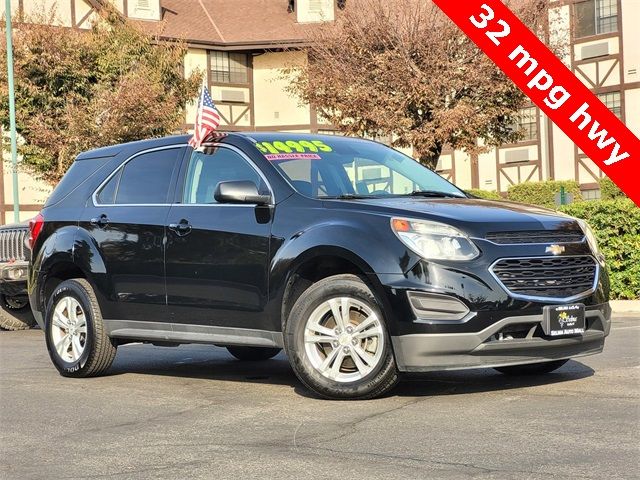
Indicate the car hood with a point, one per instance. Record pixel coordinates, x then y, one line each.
475 217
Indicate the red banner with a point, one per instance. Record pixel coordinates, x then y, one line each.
552 87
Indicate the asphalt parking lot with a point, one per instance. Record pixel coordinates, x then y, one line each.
195 412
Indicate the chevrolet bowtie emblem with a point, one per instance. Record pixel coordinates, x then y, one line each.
555 249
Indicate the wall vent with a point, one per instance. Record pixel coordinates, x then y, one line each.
144 9
308 11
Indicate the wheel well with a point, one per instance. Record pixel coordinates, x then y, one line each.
58 274
312 271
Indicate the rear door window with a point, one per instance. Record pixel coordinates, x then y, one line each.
145 180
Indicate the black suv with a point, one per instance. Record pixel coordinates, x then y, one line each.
354 258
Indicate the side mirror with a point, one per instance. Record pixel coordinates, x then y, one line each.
242 192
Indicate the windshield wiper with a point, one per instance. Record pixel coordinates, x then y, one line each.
349 196
433 194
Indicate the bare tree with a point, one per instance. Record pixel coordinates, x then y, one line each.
401 68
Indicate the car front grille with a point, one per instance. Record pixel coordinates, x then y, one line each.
547 277
12 245
536 236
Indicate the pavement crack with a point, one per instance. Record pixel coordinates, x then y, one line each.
143 421
352 427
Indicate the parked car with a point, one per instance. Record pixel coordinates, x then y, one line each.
356 260
15 313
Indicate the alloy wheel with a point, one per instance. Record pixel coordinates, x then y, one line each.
69 329
344 339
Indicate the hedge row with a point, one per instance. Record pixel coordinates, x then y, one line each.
543 193
615 220
616 224
486 194
609 190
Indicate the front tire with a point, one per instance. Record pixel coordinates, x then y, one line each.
337 340
253 354
15 313
532 368
76 338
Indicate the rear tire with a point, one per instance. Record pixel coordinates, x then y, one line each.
337 340
253 354
15 313
532 368
76 338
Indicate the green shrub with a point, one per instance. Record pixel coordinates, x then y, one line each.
543 193
486 194
609 190
616 224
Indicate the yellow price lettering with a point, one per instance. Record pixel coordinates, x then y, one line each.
307 145
322 146
290 146
295 146
281 146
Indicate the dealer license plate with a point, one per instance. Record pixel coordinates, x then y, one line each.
561 320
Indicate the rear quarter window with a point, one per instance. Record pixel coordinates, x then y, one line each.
80 171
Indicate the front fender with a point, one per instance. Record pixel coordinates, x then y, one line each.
329 239
341 240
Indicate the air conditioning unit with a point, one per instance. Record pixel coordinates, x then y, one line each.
595 50
514 156
234 96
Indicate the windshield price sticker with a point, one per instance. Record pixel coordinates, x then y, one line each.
293 146
292 156
551 86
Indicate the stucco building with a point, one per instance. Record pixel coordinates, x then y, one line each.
243 45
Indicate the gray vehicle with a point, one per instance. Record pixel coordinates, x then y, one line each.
15 313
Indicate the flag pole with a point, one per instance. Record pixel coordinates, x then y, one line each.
12 113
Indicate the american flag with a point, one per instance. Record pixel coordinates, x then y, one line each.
207 120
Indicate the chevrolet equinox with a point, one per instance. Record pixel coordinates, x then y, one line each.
355 259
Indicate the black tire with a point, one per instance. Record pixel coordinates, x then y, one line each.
15 313
532 368
99 350
253 354
382 378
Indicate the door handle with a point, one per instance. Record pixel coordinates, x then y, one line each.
102 221
181 229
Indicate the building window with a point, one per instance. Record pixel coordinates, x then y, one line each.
528 124
591 194
612 102
229 67
594 17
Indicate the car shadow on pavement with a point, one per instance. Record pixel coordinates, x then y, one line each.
200 361
485 380
210 363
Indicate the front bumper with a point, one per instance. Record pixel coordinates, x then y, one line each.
469 320
13 278
514 340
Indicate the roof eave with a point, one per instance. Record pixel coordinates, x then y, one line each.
247 45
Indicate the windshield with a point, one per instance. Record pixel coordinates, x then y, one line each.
340 167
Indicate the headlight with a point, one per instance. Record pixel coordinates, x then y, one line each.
433 240
591 238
